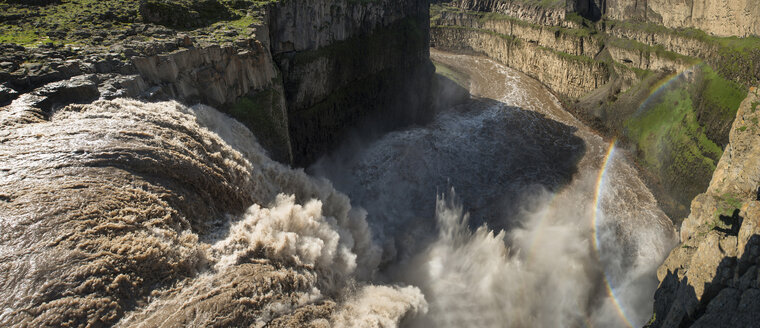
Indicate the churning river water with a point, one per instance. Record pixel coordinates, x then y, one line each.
504 211
561 230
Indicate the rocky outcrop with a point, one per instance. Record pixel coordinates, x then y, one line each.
571 41
553 13
215 75
721 17
570 75
711 279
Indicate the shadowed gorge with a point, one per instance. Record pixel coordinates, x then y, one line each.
528 174
379 163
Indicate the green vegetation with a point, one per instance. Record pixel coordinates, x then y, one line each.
736 59
105 21
578 58
257 112
589 30
671 141
58 23
727 204
437 10
542 3
659 50
721 95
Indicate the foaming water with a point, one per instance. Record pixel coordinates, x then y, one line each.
560 232
142 214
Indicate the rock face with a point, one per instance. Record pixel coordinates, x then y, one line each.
711 279
551 14
566 74
342 61
719 17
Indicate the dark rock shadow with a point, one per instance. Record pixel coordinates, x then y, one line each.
731 299
734 222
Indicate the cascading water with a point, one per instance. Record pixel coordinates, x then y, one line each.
562 231
154 214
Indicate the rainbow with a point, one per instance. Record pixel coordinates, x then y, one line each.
662 84
601 182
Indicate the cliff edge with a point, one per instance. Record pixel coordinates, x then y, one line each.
711 279
298 73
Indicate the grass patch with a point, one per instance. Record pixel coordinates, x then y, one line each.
256 112
103 22
721 94
542 3
648 50
671 141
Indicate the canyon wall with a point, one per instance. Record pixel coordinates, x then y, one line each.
570 75
298 74
660 76
346 61
617 75
528 11
718 17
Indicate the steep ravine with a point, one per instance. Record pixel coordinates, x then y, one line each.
682 98
343 62
361 60
619 77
